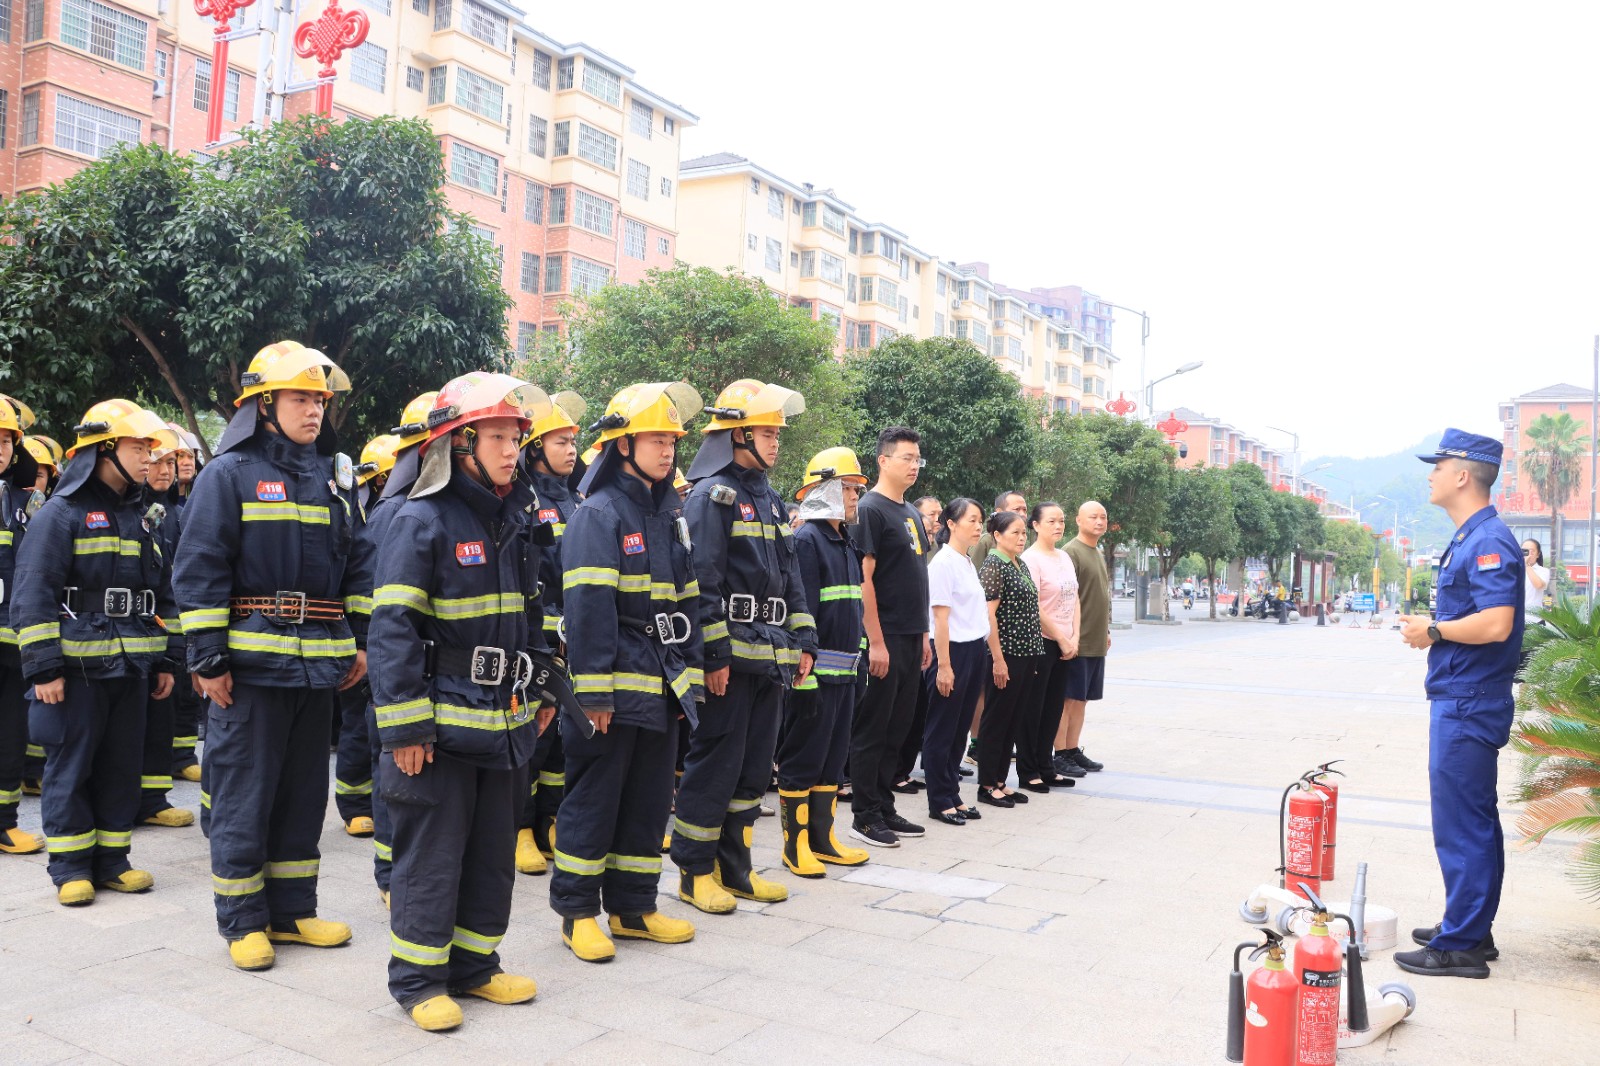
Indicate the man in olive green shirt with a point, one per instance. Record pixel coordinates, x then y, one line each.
1009 500
1087 673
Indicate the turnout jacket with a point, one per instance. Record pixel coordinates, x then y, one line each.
627 563
745 548
830 573
454 571
553 510
13 523
91 540
264 518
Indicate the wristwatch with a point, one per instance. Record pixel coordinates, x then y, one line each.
1433 633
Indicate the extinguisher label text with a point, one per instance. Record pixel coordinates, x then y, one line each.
1318 1031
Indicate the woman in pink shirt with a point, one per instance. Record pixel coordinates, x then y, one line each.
1057 583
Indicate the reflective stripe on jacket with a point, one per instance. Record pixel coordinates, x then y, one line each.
830 571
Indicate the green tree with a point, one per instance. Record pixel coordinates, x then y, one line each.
978 433
710 329
1554 464
1253 510
1122 463
1201 519
1298 528
165 275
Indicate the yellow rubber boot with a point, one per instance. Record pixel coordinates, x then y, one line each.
825 845
733 868
530 860
15 841
191 773
173 817
702 892
584 937
383 894
437 1014
75 894
666 843
313 931
653 926
506 988
130 881
359 826
253 951
796 810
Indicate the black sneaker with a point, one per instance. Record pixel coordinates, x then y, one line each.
1424 936
1431 962
1083 760
877 834
899 825
1067 766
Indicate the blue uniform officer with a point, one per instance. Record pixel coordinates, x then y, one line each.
1473 641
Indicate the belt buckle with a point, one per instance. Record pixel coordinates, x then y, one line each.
777 610
2 590
482 657
117 603
667 627
294 602
742 607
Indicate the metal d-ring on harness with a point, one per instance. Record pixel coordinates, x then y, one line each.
664 627
485 665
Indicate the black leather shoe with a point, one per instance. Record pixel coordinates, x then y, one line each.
1424 936
1016 797
1035 786
1087 763
1060 782
905 788
1430 962
948 818
964 771
971 814
1003 800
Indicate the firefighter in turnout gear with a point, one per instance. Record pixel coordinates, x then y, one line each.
816 735
382 505
450 639
274 588
91 594
635 648
48 457
759 640
548 460
155 777
18 500
187 704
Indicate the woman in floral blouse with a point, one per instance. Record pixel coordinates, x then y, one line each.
1016 644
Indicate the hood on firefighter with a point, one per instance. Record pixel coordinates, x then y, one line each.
824 501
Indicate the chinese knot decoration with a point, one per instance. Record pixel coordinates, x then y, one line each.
1172 426
332 34
1282 486
222 12
1121 405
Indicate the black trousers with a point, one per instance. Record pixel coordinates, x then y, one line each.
455 834
187 707
619 789
882 720
93 741
13 735
912 746
1036 744
1007 713
944 737
155 771
266 771
352 760
816 736
727 770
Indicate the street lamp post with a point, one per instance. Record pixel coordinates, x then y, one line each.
1150 389
1144 335
1295 477
1335 477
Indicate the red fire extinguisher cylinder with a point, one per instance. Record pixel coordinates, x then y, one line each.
1318 965
1304 834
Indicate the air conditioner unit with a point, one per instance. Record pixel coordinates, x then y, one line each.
161 88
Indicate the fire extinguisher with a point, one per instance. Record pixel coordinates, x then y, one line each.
1261 1011
1331 822
1301 831
1318 966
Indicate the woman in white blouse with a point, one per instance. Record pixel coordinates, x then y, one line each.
959 622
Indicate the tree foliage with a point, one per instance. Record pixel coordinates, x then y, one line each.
1124 464
1201 520
160 276
1253 510
1554 464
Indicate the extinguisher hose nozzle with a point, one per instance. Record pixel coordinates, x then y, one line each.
1355 986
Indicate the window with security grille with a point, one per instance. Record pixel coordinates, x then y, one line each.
538 135
642 119
441 15
774 254
565 69
369 66
92 129
527 333
436 85
474 169
666 186
775 202
588 277
603 84
541 69
413 79
533 203
808 264
563 139
938 324
5 20
888 292
380 6
30 119
558 211
592 213
530 272
638 179
33 20
663 246
105 32
597 146
634 235
832 269
202 90
480 95
5 115
420 6
668 125
552 274
488 27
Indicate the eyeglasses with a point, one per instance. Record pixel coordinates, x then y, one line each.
914 460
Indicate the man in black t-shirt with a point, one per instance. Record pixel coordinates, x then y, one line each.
894 593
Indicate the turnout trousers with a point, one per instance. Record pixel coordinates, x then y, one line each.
382 830
155 772
352 760
266 771
816 736
547 781
455 834
93 742
619 789
727 770
187 707
1464 741
13 735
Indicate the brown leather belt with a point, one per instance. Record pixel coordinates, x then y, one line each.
291 607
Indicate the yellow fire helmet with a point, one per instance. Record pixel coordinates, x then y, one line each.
113 420
680 482
655 407
166 443
590 454
413 427
45 451
15 415
291 365
748 402
832 463
567 411
377 457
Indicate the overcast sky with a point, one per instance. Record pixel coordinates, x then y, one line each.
1369 219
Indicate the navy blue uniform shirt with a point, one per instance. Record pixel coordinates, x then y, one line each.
1482 568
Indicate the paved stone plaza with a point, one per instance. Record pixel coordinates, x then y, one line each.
1093 926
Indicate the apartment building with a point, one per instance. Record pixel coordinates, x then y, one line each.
872 283
1517 495
562 159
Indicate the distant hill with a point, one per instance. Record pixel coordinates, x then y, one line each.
1398 476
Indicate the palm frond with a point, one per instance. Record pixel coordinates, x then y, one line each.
1574 810
1584 869
1546 777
